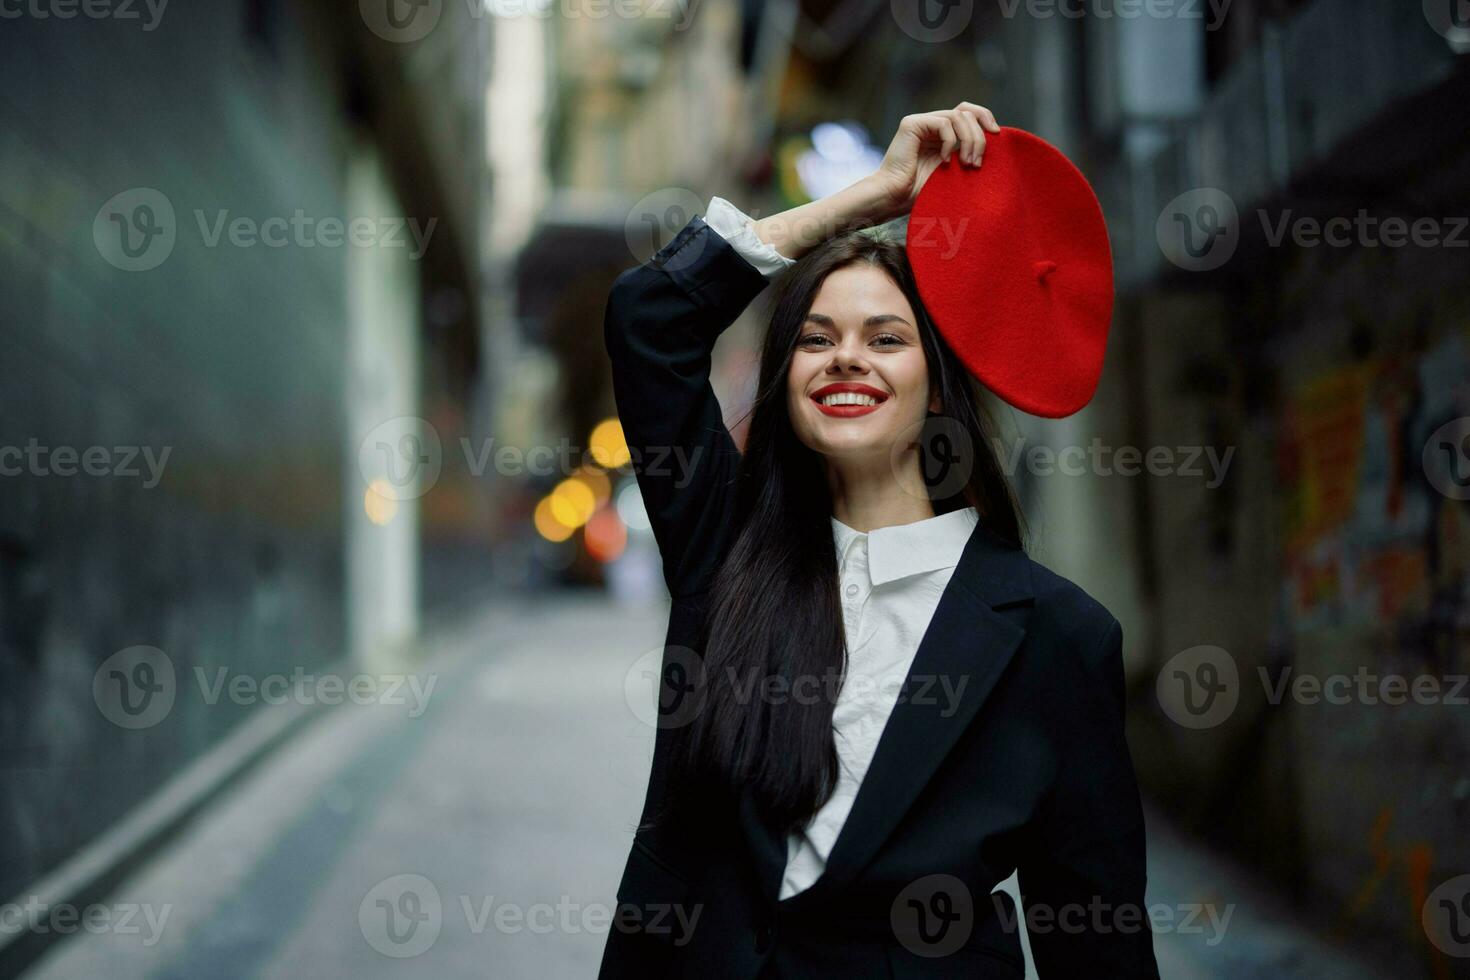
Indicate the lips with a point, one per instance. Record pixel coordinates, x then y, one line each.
852 399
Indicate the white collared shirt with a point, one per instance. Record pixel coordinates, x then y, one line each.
890 582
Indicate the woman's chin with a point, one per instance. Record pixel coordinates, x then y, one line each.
854 447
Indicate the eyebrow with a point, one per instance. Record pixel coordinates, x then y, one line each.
873 320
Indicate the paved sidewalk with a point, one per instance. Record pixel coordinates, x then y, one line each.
485 837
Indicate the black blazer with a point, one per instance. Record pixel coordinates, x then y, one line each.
1026 768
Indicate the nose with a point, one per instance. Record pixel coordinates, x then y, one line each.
848 358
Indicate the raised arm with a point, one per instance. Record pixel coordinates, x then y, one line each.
660 326
922 142
663 318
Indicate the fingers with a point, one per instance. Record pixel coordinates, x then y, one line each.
962 128
986 117
951 138
930 126
971 122
972 139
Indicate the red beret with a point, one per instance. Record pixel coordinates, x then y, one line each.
1013 263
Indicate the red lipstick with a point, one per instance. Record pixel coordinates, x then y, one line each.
846 387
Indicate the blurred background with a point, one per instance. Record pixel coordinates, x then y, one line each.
328 610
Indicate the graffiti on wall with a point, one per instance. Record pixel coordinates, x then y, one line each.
1369 538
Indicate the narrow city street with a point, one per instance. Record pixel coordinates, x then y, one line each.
484 836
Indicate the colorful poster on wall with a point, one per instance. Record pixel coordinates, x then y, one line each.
1367 538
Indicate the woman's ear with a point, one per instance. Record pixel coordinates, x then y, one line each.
934 403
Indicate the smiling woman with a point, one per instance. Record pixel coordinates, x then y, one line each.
849 362
865 541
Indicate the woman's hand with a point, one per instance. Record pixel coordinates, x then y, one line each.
922 143
925 140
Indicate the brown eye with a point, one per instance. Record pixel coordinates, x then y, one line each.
810 339
889 339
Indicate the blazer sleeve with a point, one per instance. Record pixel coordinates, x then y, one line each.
1082 878
660 326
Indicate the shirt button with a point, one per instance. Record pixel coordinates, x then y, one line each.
852 590
763 938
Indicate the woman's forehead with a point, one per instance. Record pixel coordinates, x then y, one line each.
858 291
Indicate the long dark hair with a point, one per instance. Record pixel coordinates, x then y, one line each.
773 609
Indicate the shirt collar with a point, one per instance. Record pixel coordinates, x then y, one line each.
908 549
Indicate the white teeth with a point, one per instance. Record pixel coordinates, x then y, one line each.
849 398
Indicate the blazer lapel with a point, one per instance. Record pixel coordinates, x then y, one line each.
960 659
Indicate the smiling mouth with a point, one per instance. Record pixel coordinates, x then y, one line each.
847 404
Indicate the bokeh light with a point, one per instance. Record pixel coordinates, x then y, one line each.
630 506
573 502
605 537
597 481
379 503
607 445
548 524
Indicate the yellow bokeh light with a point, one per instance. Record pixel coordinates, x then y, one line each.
572 502
597 481
607 444
547 524
378 502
